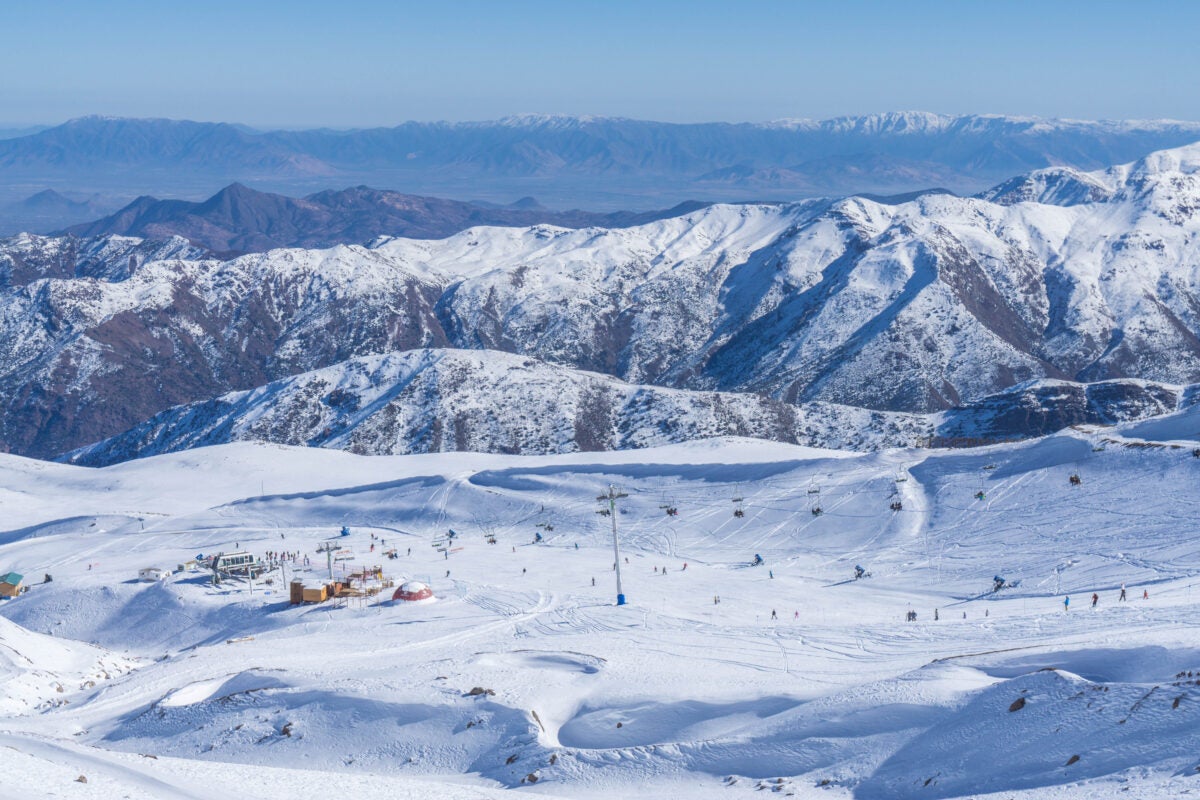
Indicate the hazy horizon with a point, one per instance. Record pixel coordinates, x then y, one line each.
367 63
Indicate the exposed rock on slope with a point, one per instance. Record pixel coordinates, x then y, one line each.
425 401
448 400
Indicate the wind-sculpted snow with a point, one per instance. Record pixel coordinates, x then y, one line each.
915 307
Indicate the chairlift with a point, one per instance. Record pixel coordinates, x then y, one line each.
896 506
817 511
980 495
989 466
1075 479
669 507
901 476
738 510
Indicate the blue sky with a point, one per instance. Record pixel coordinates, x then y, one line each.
364 63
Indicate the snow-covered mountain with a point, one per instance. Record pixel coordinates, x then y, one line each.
429 401
424 401
916 307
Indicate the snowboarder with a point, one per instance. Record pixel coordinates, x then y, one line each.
1122 592
1095 599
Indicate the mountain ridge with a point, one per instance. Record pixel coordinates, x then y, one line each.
239 219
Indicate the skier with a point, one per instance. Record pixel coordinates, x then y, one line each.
410 551
577 545
684 567
935 615
593 581
773 614
447 573
522 570
1095 599
1066 604
655 570
771 574
1145 594
1122 592
796 615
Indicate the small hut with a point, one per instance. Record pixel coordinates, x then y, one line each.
10 584
411 591
152 574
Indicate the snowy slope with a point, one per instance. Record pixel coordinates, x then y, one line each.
672 695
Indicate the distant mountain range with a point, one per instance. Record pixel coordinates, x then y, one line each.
240 220
1010 304
571 162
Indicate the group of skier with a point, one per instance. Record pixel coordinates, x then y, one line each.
1096 598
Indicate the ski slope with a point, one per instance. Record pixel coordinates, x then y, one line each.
212 690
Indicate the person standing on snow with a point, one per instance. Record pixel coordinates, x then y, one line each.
1066 603
773 616
1095 599
1122 592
